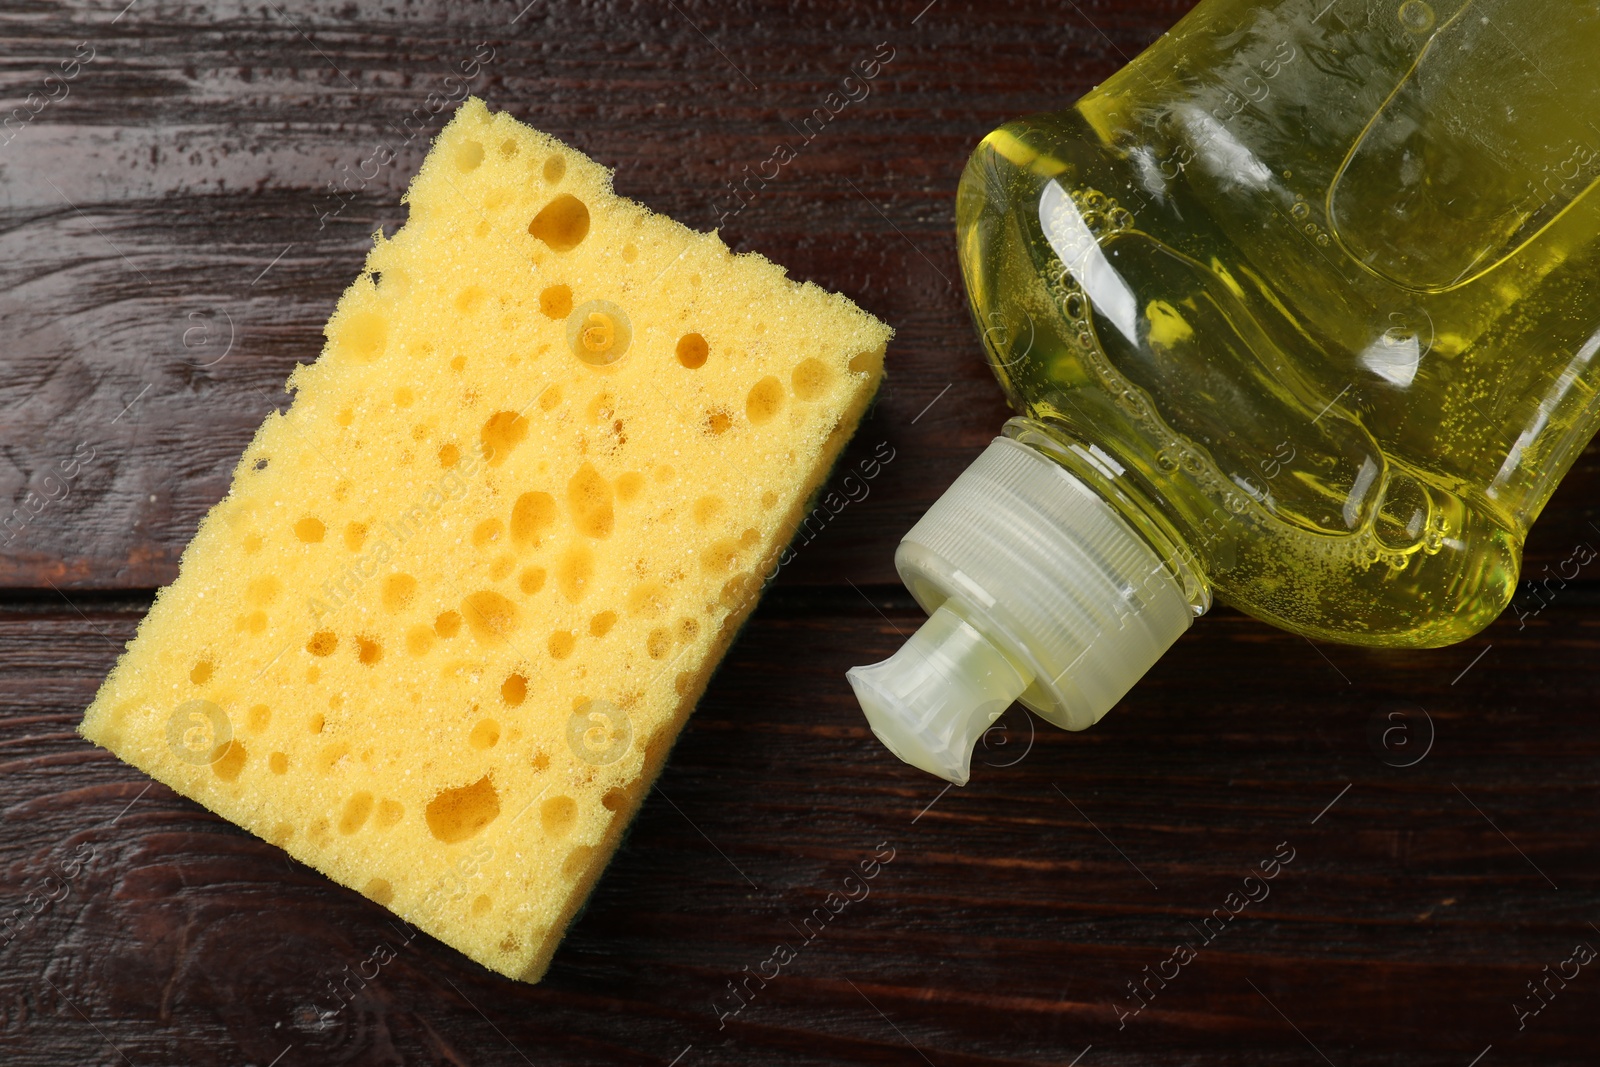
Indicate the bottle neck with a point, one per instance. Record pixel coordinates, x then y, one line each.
1108 480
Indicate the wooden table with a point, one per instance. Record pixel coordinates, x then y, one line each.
176 227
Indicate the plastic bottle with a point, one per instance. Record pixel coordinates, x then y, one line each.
1298 310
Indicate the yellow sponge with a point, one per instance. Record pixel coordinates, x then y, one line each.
461 597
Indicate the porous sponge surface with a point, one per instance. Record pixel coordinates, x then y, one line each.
462 595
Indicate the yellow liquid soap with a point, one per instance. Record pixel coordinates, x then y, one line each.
1305 299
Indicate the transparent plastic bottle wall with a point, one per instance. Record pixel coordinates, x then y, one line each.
1309 291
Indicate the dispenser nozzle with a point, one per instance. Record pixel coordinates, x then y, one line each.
930 702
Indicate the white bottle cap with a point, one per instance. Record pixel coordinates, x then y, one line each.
1038 590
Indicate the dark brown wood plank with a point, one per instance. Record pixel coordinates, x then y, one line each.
1418 903
176 229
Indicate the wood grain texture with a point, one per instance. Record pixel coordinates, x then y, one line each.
1003 930
173 232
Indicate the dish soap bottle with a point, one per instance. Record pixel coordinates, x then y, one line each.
1300 309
